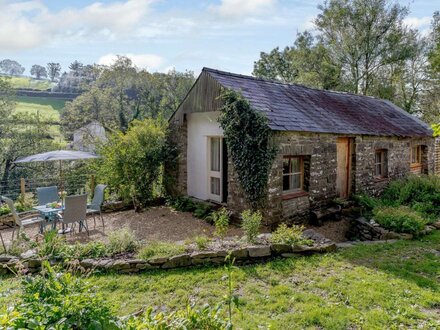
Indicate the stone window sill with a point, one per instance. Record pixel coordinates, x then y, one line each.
295 194
380 179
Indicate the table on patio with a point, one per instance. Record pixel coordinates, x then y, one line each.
49 213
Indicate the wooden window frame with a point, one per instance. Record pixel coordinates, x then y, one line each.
418 155
383 164
301 172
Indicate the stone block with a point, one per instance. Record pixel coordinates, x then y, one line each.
239 253
34 263
158 261
259 251
181 260
281 248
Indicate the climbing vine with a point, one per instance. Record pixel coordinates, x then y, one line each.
248 139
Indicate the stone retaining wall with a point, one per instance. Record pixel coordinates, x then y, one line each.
247 255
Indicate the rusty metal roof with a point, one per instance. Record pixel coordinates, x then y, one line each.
292 107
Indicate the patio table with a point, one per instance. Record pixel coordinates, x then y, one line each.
48 213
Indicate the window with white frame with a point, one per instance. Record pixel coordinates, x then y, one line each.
293 173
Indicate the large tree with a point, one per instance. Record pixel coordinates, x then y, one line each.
53 70
38 71
362 36
11 67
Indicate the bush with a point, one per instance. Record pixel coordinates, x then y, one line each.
421 193
202 242
202 211
132 162
251 222
290 236
57 301
182 204
160 249
221 221
399 219
367 202
121 241
25 202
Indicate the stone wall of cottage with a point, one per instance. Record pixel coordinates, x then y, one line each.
437 156
176 176
398 151
319 151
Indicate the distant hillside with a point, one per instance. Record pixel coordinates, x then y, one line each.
29 82
48 108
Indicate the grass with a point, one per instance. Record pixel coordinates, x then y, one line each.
386 286
48 108
28 82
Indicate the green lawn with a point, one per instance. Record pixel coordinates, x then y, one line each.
386 286
28 82
48 108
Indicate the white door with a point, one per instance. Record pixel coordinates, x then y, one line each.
215 165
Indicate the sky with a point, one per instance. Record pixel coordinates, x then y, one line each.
161 34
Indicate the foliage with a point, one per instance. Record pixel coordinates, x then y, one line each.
400 219
248 139
160 249
19 245
202 211
25 202
421 193
57 301
202 242
251 223
11 67
436 129
290 235
38 71
367 202
53 70
131 162
122 241
221 221
4 210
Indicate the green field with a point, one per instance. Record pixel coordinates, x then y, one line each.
28 82
48 108
384 286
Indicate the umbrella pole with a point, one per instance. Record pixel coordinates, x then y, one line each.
61 177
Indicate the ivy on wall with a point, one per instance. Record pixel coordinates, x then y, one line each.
248 139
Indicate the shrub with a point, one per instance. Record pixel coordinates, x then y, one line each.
121 241
189 318
251 222
202 211
367 202
399 219
4 210
182 204
83 251
132 162
24 202
290 235
221 221
52 245
422 193
201 242
160 249
57 301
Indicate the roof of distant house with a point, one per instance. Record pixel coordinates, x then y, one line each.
293 107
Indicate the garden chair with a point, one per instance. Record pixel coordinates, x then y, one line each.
75 210
25 221
47 195
96 206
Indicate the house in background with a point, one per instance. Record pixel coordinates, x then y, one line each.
87 137
330 144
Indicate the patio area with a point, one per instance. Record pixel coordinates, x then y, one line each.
160 223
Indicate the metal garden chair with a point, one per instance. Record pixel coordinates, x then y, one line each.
75 210
96 206
47 195
25 221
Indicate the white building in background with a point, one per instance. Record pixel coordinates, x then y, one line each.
87 137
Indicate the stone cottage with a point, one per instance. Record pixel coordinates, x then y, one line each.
330 144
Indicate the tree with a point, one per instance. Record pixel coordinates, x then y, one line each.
132 161
362 36
306 62
53 70
38 71
76 67
11 67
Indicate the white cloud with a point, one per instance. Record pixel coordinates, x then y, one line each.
29 24
417 22
234 9
151 62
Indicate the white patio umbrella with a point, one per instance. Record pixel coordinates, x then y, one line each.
58 155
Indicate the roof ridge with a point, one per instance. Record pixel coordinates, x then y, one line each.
206 69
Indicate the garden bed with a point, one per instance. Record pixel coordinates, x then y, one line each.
242 253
